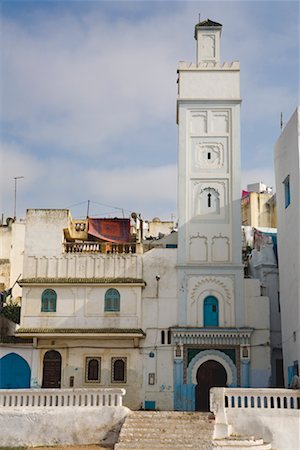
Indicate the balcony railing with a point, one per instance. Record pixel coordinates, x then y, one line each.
99 247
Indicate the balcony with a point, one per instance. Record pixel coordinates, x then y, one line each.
102 247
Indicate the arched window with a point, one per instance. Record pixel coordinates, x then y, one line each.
49 297
92 371
112 300
118 370
211 311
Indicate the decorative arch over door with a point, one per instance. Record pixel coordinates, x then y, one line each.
14 372
211 311
52 369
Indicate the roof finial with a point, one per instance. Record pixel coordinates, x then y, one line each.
199 17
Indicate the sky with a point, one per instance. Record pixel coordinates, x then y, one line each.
88 98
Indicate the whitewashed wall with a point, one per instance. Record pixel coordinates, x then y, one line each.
287 163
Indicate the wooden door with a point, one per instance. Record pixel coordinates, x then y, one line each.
210 374
52 370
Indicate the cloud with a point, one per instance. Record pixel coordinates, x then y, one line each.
79 92
89 96
259 174
59 183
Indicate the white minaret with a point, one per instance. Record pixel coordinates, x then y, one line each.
209 237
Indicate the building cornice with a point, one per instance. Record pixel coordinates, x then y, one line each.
211 336
106 333
209 101
58 281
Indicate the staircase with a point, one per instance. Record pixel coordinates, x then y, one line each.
170 430
166 430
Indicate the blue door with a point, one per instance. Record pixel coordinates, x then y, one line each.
14 372
211 312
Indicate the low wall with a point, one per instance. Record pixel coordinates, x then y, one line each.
32 417
271 414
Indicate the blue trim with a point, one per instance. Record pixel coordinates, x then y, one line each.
184 397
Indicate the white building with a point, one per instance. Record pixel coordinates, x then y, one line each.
287 163
166 323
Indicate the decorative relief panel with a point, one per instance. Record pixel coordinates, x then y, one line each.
208 199
198 248
220 249
208 46
220 122
199 284
198 122
218 286
209 154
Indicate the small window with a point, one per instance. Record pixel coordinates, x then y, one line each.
49 301
287 191
92 369
208 155
169 337
112 300
118 370
162 336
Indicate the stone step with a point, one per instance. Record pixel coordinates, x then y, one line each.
185 418
161 426
169 438
240 443
158 446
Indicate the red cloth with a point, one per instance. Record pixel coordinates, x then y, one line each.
244 193
111 230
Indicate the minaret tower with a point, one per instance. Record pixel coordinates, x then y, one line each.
209 245
211 340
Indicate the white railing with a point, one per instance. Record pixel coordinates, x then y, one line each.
262 398
264 413
43 398
97 247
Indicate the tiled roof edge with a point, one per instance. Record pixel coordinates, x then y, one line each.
40 280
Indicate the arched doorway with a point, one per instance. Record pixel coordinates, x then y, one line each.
211 311
52 369
14 372
210 374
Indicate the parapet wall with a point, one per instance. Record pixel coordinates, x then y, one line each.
271 414
33 417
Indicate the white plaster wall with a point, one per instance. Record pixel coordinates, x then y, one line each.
80 306
209 84
12 249
75 425
278 427
84 266
159 312
287 162
159 307
258 317
44 232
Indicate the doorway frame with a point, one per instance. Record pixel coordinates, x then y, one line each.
215 355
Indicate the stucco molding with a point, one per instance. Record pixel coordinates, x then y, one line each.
214 355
